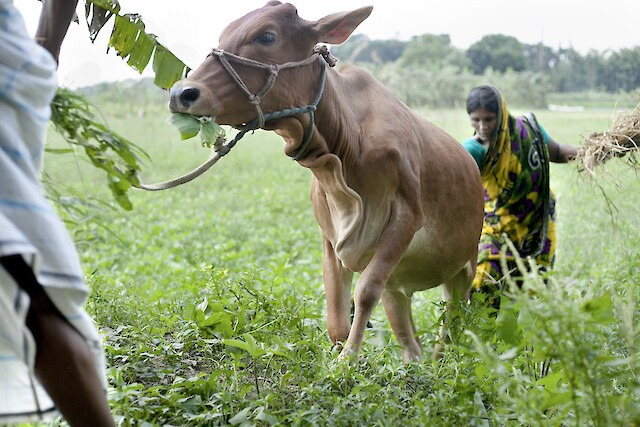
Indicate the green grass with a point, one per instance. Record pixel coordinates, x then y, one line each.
599 100
211 302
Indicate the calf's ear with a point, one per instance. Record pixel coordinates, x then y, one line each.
337 27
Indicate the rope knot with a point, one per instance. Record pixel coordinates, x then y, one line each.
254 99
223 150
323 50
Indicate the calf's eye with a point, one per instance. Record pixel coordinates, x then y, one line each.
266 38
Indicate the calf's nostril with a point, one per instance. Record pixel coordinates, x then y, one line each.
189 95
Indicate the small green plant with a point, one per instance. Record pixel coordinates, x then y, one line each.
73 118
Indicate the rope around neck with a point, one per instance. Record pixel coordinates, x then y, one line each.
220 148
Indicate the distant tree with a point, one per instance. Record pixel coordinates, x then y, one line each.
597 70
568 71
359 48
497 51
624 70
539 58
521 89
593 70
433 52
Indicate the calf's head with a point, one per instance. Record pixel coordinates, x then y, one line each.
245 74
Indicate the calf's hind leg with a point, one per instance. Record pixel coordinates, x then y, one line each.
397 306
455 289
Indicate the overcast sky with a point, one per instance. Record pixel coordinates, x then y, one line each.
190 28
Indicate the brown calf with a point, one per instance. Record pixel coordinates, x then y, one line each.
398 199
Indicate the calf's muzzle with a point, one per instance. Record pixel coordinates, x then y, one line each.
182 97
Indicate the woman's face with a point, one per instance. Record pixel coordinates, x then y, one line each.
484 122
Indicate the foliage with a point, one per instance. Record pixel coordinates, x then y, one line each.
71 113
564 69
210 300
623 69
190 126
551 366
431 52
72 117
497 51
446 87
133 43
360 48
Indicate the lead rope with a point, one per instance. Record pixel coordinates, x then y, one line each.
220 148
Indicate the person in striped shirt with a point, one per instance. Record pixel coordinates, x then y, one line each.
51 356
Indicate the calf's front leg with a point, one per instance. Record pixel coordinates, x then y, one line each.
392 245
337 286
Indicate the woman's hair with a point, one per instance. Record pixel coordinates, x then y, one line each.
486 97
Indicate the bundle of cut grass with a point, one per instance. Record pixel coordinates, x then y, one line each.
621 140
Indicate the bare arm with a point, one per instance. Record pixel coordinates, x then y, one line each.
54 22
561 153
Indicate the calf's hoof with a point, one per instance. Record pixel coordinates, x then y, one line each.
411 356
348 353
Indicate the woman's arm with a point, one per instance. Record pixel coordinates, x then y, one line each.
561 153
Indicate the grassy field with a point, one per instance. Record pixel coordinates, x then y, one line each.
211 303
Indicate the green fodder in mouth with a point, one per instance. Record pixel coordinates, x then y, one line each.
190 126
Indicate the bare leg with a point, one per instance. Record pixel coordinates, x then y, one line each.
64 363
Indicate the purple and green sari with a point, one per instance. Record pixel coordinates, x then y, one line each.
519 206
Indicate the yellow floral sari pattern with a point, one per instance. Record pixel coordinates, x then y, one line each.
514 184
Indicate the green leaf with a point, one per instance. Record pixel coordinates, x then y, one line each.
601 309
187 125
209 131
241 417
550 382
168 68
527 321
507 328
249 345
98 13
203 305
124 34
557 399
111 5
480 410
212 319
142 52
59 150
511 353
237 343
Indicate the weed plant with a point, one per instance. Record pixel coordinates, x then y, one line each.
211 302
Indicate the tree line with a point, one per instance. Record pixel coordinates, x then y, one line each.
429 71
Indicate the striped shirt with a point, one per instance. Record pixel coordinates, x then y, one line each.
28 224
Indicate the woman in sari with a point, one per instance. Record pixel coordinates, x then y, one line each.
513 155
